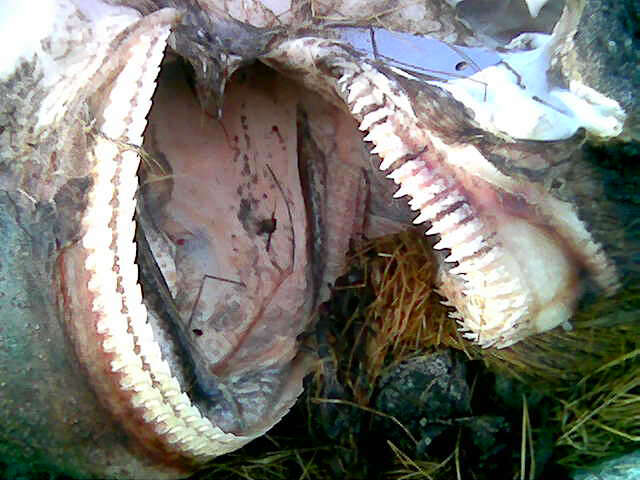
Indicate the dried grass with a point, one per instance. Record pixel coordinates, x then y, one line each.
592 372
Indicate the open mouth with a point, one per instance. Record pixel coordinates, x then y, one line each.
205 243
189 288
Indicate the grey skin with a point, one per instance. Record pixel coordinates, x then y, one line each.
50 417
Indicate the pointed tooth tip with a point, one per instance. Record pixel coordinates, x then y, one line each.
441 245
433 231
452 258
387 162
400 193
421 219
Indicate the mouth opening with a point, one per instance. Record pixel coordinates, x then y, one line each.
218 222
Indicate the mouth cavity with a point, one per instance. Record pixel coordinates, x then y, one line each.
147 359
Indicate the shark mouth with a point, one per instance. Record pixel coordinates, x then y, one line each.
189 394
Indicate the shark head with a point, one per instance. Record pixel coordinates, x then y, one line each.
165 250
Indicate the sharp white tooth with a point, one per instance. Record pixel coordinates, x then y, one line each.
520 301
490 274
498 305
487 343
415 183
391 146
401 192
427 192
390 156
476 263
362 102
450 219
429 212
466 232
451 199
465 250
446 302
423 217
371 118
535 6
470 335
358 88
407 169
344 80
380 134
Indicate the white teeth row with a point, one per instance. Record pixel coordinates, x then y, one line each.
129 337
492 304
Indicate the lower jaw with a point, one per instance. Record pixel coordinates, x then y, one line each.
154 393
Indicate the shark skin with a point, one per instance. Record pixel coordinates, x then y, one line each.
168 229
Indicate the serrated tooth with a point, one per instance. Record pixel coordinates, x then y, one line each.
497 306
373 117
344 78
135 382
148 399
467 249
118 343
445 301
520 302
380 134
406 170
488 343
456 238
426 192
363 102
391 155
510 316
494 274
470 336
476 263
430 212
401 192
463 241
423 217
358 88
451 219
415 183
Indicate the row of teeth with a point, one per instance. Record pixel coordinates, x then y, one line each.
118 299
503 310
